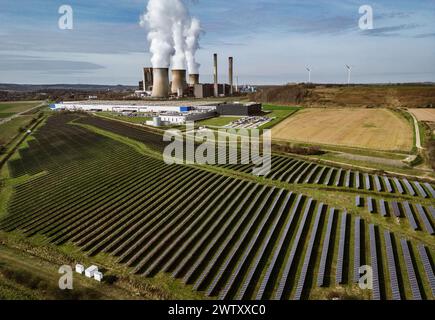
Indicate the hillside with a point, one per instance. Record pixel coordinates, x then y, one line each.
411 96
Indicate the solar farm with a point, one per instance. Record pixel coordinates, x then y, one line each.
301 232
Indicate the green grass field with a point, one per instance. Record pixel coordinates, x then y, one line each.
11 108
217 122
279 113
11 128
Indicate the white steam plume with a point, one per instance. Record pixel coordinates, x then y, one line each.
192 43
172 33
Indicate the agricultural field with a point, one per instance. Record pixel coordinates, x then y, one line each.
11 129
132 119
376 129
425 115
8 109
301 232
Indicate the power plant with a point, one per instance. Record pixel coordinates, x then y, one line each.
160 83
156 83
178 82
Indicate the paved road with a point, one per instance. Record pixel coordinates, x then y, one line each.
2 121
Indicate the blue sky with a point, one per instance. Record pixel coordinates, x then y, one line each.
272 41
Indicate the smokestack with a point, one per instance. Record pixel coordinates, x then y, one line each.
193 79
178 82
216 86
230 73
160 83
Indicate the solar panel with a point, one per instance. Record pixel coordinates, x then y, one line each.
347 179
328 177
341 244
374 262
308 252
383 207
260 254
224 267
325 249
280 247
409 215
289 263
378 183
425 219
409 187
320 175
357 180
420 189
302 174
396 209
395 290
430 189
411 271
398 186
368 185
388 185
357 249
427 267
338 178
311 174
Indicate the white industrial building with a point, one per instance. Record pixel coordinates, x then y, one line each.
162 114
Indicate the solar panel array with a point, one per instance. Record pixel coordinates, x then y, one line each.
398 186
420 189
427 267
395 290
383 207
396 209
409 187
409 215
374 262
431 190
357 249
388 184
308 253
341 248
367 180
296 208
358 201
411 271
425 219
357 180
289 263
325 249
338 178
377 183
347 179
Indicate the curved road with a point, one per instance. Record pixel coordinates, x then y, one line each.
417 132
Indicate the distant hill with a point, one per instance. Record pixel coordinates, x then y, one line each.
72 87
400 95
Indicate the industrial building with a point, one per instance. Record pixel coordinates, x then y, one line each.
238 109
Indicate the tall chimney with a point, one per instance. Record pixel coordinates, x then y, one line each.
216 86
193 79
160 83
178 82
230 73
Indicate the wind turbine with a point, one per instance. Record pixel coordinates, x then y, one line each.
349 72
309 74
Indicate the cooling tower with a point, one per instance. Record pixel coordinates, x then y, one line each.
178 82
160 83
216 86
230 74
193 79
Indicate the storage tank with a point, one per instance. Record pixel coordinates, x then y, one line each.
160 83
178 82
157 121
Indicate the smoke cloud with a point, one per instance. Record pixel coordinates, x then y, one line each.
173 34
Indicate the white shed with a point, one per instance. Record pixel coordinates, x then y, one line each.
89 272
98 276
80 268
